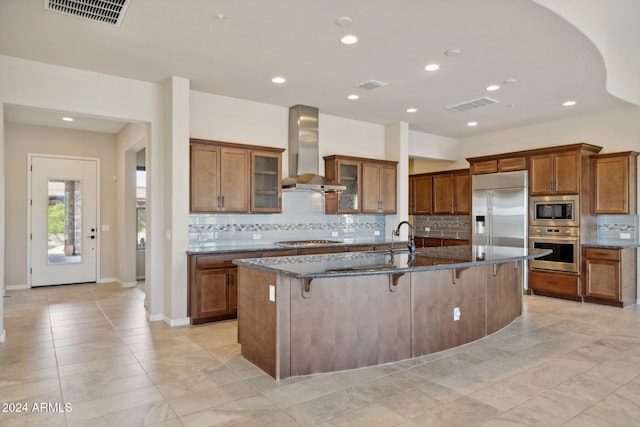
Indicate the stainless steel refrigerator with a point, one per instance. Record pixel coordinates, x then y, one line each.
500 209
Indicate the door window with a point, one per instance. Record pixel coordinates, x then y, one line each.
64 221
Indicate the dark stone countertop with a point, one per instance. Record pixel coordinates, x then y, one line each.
608 244
384 262
271 246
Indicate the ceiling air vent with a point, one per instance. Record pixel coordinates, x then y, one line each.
107 11
474 103
371 84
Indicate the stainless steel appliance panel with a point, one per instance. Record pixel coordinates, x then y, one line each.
499 209
555 211
565 244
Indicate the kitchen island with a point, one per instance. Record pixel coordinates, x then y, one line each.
321 313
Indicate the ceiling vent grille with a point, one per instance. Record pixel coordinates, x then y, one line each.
474 103
107 11
371 84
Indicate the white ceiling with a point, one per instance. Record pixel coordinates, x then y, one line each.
299 39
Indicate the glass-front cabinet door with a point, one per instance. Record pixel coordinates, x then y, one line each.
349 175
266 185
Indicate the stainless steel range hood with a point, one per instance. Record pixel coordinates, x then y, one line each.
304 157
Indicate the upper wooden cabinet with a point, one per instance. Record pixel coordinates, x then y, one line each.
555 173
234 178
266 182
371 184
614 183
452 192
378 188
349 173
552 170
420 197
499 164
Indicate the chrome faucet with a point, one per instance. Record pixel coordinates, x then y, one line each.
412 242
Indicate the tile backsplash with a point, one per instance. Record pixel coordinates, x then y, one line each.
618 228
302 217
448 226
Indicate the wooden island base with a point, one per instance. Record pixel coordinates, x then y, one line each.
336 323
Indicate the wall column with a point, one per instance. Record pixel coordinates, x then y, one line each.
396 139
176 175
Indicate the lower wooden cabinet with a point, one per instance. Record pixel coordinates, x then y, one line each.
564 285
609 276
212 286
212 282
432 242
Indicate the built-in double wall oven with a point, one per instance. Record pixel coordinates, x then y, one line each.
554 224
565 244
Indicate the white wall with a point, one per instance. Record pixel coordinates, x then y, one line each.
131 139
22 139
617 130
221 118
56 88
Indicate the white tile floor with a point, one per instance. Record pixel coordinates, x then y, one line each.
90 346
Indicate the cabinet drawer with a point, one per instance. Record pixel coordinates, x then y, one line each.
454 242
288 252
317 251
487 166
360 248
204 262
556 283
431 242
512 164
608 254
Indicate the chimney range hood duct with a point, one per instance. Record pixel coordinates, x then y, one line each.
304 157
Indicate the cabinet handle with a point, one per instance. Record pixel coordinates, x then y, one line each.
219 202
624 205
222 201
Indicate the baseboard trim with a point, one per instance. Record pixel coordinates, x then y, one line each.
128 284
17 287
176 322
108 280
154 317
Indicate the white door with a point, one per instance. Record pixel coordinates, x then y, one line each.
64 235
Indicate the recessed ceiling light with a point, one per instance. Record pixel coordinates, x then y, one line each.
412 110
278 80
353 97
509 81
343 21
432 67
452 52
349 39
220 16
493 87
569 103
471 124
67 119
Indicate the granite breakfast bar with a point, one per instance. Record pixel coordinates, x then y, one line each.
322 313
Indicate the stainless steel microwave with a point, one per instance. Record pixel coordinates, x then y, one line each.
554 211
